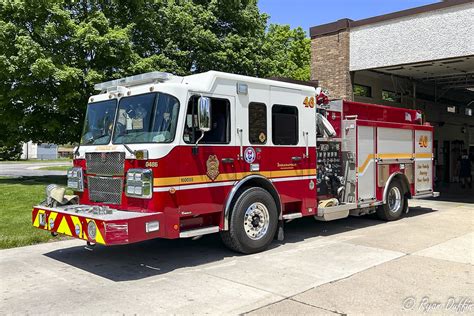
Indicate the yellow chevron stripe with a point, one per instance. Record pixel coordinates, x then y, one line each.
392 156
76 221
36 221
230 177
98 236
366 162
52 218
63 227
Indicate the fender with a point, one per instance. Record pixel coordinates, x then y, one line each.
260 181
389 180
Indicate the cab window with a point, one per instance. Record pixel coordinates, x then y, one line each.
220 121
284 125
257 123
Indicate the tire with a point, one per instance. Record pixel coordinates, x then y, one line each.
396 203
253 222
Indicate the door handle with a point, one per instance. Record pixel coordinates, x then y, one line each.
296 159
227 160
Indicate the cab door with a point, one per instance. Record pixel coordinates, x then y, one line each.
423 162
292 160
207 171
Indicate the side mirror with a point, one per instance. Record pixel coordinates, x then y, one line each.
204 114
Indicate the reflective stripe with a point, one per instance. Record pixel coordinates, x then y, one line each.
369 159
293 178
194 179
226 183
65 224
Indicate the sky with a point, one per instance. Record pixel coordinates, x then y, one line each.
307 13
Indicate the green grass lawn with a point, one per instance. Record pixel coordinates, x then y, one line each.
56 168
17 196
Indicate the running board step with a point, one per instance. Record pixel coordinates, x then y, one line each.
292 216
199 232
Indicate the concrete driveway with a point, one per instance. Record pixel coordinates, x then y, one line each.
350 266
32 169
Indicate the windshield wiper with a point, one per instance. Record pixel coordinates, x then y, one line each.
127 148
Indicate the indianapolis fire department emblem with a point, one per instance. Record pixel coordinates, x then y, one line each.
212 167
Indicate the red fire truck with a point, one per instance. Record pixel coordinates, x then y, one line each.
163 156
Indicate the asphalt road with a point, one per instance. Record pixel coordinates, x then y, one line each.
31 169
349 266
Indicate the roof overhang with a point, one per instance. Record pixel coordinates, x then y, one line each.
343 24
456 73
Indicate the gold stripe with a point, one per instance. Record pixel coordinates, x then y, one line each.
392 156
424 155
230 177
395 156
366 162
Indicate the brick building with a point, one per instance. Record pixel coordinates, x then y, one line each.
420 58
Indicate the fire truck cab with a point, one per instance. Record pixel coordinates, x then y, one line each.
163 156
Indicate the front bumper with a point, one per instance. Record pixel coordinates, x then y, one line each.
111 228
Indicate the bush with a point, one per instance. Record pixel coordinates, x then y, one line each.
12 152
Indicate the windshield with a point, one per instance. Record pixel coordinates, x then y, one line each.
99 122
146 118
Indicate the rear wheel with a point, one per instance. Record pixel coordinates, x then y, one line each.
253 222
395 203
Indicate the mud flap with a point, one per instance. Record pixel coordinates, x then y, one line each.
280 235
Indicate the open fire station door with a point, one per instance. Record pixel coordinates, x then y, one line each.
366 164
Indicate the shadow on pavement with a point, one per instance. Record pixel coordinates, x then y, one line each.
454 192
160 256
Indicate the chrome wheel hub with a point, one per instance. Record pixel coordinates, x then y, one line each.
394 199
256 221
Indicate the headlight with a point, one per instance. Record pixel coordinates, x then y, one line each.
75 179
139 183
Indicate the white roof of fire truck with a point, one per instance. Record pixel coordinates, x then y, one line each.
198 82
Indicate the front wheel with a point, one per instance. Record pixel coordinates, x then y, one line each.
253 222
395 203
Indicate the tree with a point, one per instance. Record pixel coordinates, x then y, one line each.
53 52
287 52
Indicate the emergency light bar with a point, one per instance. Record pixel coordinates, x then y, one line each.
149 77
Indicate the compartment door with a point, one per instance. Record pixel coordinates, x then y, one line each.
365 164
423 161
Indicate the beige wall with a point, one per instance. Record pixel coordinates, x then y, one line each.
432 35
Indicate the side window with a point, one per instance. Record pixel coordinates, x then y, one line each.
257 123
220 120
284 125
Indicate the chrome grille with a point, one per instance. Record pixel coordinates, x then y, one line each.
105 164
105 189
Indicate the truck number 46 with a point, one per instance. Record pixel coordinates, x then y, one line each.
423 142
308 102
